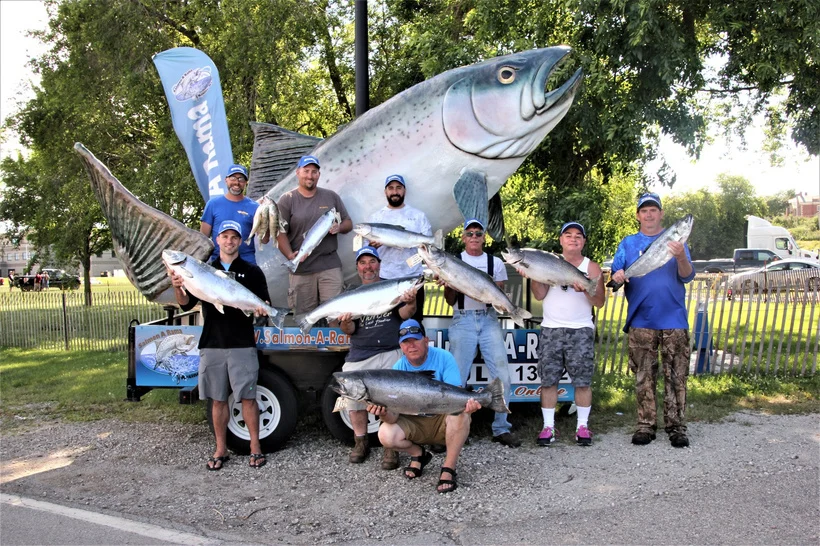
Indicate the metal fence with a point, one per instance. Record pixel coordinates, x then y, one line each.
755 330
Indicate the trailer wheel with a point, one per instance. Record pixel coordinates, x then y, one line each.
277 415
339 422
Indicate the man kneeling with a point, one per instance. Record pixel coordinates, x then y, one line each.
408 433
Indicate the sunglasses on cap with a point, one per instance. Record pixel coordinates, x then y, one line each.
476 233
411 330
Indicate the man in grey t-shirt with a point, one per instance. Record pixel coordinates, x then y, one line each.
319 276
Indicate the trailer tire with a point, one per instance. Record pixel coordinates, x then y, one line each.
338 423
277 415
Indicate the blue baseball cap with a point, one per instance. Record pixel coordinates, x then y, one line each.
230 224
234 169
576 225
410 329
367 251
649 198
472 221
307 160
395 178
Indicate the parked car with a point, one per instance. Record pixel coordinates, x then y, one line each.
745 259
797 273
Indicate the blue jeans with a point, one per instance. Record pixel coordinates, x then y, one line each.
472 329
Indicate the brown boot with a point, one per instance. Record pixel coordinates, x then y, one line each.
360 450
390 460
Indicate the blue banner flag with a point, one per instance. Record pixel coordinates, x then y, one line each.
191 84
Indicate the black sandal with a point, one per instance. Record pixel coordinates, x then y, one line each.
447 482
255 461
424 459
216 463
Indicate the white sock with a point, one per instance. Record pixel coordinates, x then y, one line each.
549 417
583 416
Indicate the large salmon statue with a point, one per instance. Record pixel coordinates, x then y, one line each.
455 139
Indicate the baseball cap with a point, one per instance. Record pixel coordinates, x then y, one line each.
575 225
472 221
651 198
229 224
395 178
367 251
234 169
410 329
307 160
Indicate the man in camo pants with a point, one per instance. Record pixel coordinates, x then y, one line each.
657 319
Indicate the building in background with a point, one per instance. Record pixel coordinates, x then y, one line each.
16 258
804 206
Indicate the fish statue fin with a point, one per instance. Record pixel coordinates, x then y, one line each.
470 192
495 221
129 220
275 153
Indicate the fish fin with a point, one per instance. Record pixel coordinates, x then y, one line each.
220 273
614 285
248 313
438 239
498 402
592 291
219 308
341 404
305 325
129 219
277 319
413 260
470 192
519 315
275 153
185 273
358 242
495 220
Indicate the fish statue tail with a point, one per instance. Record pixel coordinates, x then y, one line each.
499 402
614 285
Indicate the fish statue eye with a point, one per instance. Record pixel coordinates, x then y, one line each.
506 74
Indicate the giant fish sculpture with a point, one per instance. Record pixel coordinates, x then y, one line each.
455 139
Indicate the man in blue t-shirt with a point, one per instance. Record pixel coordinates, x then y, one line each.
409 433
374 345
232 206
656 319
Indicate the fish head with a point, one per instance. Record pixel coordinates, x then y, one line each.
513 256
501 109
349 387
173 257
432 256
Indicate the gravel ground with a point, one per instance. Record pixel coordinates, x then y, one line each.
751 479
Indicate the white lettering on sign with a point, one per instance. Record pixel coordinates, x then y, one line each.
201 116
532 346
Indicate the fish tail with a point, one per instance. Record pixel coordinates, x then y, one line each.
293 264
593 286
519 315
305 325
498 402
276 317
614 285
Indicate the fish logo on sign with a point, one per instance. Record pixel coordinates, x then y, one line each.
193 84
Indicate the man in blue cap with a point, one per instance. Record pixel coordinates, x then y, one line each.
656 322
374 345
318 277
235 206
475 325
408 433
398 213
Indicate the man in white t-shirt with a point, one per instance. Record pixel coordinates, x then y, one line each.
568 336
475 325
398 213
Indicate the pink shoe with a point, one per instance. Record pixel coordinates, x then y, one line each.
583 436
547 436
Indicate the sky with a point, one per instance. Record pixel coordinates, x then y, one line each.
799 171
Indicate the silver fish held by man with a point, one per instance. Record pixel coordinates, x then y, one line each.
414 393
396 236
216 287
314 236
657 254
548 268
367 300
471 282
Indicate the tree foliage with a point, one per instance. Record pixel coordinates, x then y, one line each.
290 62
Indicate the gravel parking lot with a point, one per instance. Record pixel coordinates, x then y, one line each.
751 479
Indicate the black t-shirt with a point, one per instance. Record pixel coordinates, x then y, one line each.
231 330
374 335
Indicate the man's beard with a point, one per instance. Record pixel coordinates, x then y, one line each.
396 200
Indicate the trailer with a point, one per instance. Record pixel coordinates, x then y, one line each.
295 372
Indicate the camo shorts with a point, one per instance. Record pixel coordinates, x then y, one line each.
570 348
220 369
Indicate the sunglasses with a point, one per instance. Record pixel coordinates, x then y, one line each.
477 233
411 330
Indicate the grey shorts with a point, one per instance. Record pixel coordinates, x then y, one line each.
570 348
381 361
224 370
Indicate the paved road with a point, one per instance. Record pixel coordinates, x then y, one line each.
27 521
